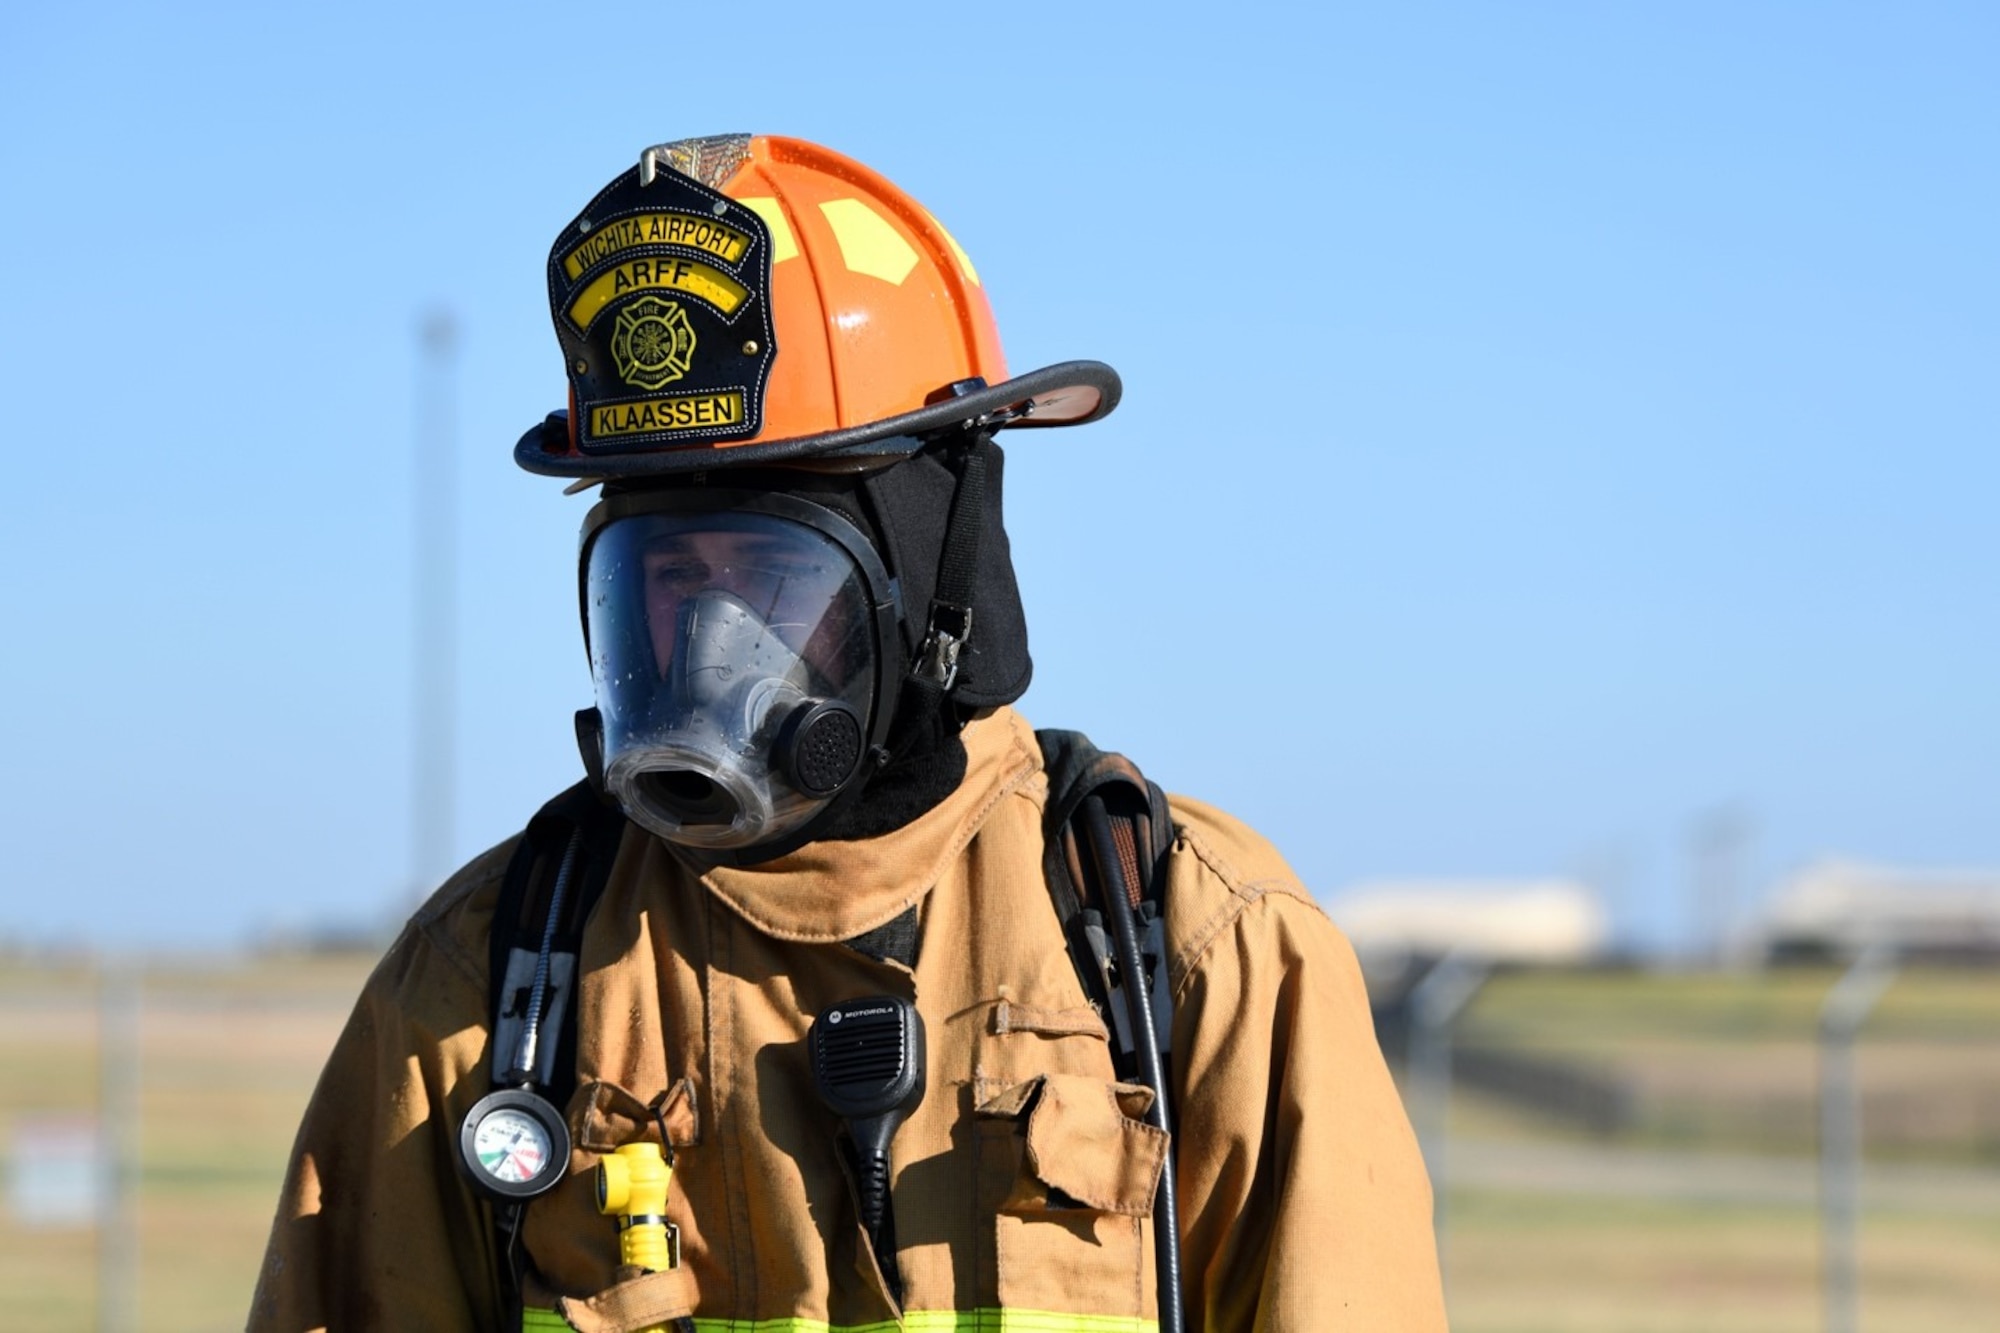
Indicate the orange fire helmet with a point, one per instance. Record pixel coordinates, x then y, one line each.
773 299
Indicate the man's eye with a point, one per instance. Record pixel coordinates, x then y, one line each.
680 573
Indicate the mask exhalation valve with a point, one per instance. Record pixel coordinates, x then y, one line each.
820 747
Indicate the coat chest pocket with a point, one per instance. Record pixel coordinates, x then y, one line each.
637 1301
1074 1232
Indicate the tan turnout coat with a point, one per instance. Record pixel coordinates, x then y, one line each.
1022 1183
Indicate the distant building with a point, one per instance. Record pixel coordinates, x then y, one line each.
1540 922
1839 907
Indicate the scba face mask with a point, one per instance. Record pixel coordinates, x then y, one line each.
739 648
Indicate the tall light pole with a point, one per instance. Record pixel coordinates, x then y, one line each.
1846 1006
434 702
1435 1005
1718 847
120 1008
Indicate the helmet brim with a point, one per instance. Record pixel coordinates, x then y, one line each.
1069 393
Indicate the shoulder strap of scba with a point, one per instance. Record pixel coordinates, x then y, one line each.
1106 833
520 921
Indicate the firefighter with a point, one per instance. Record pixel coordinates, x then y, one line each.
807 788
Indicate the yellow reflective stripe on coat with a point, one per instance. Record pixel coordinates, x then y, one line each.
916 1321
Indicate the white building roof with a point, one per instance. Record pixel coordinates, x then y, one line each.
1848 904
1504 921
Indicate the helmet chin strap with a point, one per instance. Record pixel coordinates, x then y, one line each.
925 760
950 622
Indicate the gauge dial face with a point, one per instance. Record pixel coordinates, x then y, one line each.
512 1145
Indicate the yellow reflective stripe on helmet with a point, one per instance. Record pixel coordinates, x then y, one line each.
784 245
916 1321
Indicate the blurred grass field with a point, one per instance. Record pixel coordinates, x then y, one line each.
1698 1214
227 1057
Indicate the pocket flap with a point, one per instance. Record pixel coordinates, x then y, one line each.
642 1301
1082 1141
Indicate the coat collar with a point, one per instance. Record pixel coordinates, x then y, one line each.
829 891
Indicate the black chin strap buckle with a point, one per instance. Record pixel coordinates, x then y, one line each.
950 627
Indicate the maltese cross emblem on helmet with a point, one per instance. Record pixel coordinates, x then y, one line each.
653 343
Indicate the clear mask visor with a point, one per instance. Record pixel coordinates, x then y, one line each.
734 661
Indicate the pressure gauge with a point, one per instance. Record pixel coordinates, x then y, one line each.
513 1145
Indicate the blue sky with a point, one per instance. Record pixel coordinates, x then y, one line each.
1544 423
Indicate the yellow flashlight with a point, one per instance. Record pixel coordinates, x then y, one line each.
632 1187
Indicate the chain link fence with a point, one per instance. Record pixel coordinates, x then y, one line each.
1627 1151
